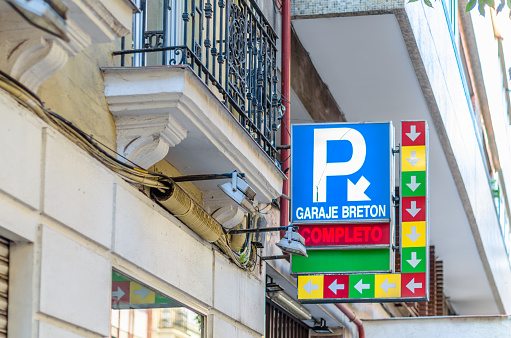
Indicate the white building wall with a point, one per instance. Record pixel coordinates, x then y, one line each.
463 326
494 81
463 150
72 221
495 64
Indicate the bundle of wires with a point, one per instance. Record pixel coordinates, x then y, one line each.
131 173
245 258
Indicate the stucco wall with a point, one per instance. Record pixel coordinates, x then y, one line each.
77 92
450 110
72 221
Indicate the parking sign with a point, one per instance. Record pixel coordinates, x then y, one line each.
342 172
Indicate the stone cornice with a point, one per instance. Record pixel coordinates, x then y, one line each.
215 141
145 139
32 55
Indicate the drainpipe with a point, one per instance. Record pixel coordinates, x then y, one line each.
353 318
286 94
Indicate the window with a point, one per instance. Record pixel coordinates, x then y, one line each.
138 311
280 324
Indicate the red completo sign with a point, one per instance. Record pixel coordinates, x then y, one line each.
345 234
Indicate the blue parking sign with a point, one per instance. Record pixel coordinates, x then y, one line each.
342 172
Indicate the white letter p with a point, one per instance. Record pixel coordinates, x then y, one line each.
322 169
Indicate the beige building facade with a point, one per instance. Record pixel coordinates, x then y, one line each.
104 105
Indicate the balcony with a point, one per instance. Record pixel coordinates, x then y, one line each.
199 87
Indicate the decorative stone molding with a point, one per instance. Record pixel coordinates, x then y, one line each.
229 216
29 55
36 59
32 55
215 141
222 208
213 200
78 39
145 139
102 20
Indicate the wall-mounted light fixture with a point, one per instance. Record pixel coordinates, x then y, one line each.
237 189
289 304
276 293
292 242
321 327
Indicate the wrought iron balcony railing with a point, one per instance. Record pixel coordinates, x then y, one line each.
229 44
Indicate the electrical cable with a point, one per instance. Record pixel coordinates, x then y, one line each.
285 126
260 211
276 8
131 173
77 136
284 160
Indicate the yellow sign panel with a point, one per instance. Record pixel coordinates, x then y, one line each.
387 286
310 287
414 234
413 158
140 294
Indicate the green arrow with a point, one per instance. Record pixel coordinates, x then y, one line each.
413 260
361 286
413 183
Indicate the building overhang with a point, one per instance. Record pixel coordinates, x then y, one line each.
397 61
168 112
31 54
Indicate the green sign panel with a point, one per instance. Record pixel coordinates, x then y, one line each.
413 260
413 183
361 286
129 294
360 260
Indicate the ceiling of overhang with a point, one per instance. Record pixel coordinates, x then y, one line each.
364 62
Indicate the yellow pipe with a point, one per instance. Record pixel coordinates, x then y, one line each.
190 213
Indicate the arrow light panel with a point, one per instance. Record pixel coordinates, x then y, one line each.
414 206
364 273
358 288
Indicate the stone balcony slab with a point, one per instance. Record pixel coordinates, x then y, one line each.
180 119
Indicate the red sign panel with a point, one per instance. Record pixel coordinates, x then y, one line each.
413 208
345 234
413 133
120 293
336 286
413 285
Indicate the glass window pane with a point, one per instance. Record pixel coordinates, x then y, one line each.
141 312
